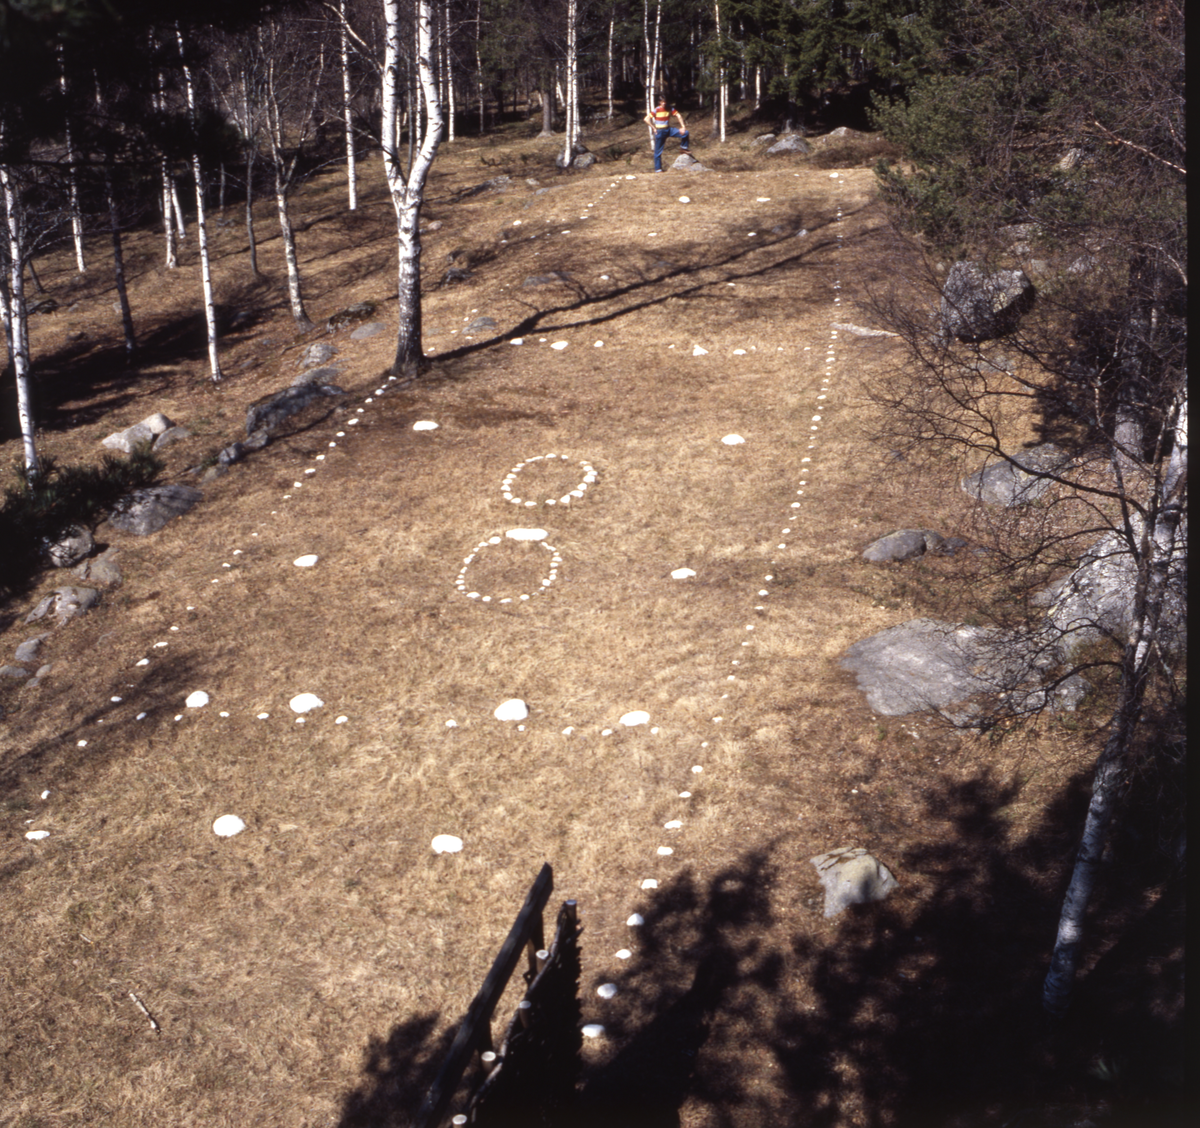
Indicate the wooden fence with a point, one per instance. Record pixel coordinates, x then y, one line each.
530 1080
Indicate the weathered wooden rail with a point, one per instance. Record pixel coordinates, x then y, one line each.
531 1079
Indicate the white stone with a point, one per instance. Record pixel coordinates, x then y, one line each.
650 883
739 352
637 717
514 709
592 1030
452 724
446 844
37 835
197 700
682 574
698 351
664 851
607 990
425 425
622 954
568 730
526 534
674 824
227 826
263 716
733 440
560 345
306 561
305 703
635 920
341 720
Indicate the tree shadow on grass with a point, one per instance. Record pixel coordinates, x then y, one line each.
922 1011
396 1074
933 1016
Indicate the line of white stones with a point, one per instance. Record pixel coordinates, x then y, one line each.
609 989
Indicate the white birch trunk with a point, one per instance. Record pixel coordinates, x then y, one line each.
168 211
348 112
448 69
408 191
479 65
177 210
611 22
18 326
572 107
722 89
1154 560
72 171
210 308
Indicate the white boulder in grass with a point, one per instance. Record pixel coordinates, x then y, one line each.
305 703
37 835
446 844
733 440
227 826
682 574
514 709
425 425
197 700
527 534
306 561
637 717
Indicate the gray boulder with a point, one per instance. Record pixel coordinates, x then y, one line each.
31 648
791 143
130 439
351 315
584 161
73 545
851 876
1095 600
319 353
366 332
268 414
480 325
13 672
67 603
1020 481
550 279
685 162
904 544
316 376
764 139
927 665
171 435
103 569
978 305
146 511
157 423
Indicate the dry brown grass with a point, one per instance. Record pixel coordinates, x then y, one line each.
274 959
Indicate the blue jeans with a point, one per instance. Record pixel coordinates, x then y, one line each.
660 139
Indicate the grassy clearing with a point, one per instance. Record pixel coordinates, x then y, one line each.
307 971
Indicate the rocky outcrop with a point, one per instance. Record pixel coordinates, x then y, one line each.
146 511
980 305
1018 481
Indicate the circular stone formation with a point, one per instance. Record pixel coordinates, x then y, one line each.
589 478
482 546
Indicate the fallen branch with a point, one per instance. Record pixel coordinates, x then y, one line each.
142 1007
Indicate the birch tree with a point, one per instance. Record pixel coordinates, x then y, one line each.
407 187
571 131
210 309
16 323
292 81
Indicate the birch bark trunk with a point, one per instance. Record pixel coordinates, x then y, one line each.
210 308
17 323
1154 560
72 169
347 112
407 191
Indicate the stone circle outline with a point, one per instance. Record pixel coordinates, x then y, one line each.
590 476
461 580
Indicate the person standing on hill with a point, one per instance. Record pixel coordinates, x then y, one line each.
659 121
